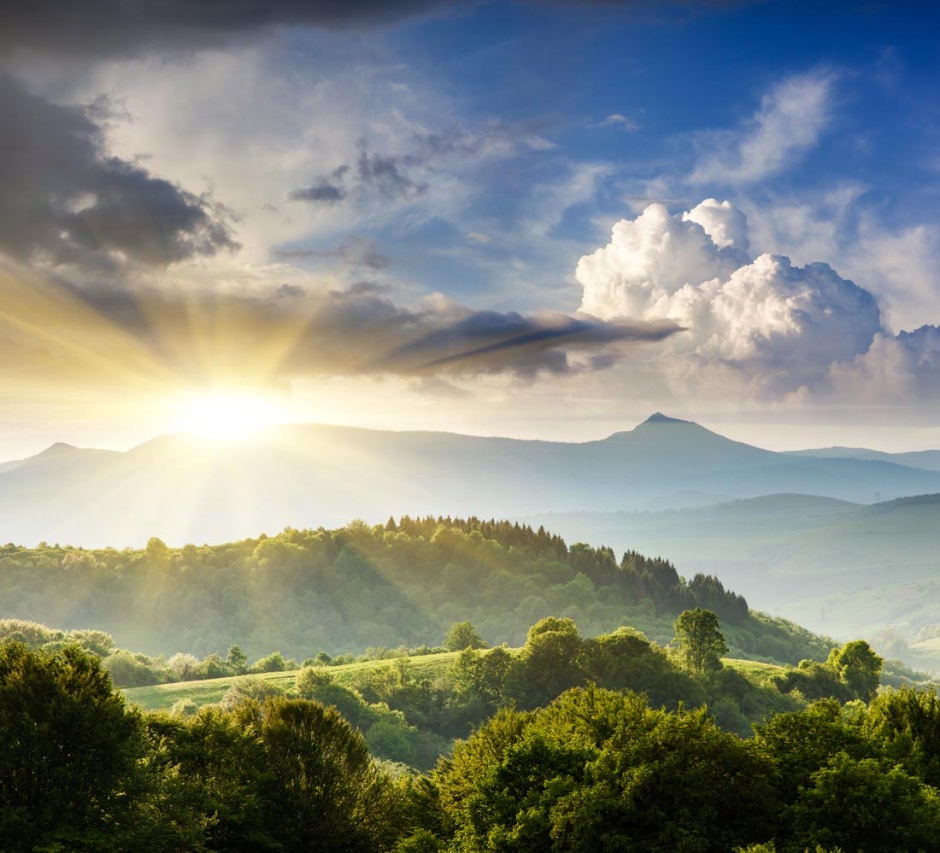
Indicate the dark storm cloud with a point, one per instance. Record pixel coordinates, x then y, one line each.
361 332
364 333
125 27
489 341
108 28
63 199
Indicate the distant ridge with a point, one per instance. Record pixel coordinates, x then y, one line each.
185 489
929 460
840 568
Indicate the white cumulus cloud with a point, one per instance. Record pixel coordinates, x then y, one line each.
897 369
776 326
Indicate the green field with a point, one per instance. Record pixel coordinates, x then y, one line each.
164 696
758 672
427 667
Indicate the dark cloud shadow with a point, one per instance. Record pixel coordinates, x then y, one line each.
62 199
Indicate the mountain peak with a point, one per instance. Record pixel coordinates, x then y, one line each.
660 418
60 448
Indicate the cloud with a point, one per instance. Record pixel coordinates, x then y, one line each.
289 291
621 121
101 28
290 330
647 260
360 332
774 326
64 200
893 253
322 191
381 175
355 253
490 341
722 222
896 369
791 119
388 176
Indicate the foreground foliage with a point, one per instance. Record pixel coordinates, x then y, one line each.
594 770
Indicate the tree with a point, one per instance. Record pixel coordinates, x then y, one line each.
600 770
814 680
494 671
237 660
462 635
550 662
222 769
157 550
482 676
802 742
866 805
906 724
700 642
310 679
250 687
858 667
68 750
327 793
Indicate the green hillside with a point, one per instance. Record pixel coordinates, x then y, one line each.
358 587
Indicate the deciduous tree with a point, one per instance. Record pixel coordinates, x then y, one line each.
701 643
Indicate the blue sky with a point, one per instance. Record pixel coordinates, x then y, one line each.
400 215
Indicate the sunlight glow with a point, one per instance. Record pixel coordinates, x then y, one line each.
228 416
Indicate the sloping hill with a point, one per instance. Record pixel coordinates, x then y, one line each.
840 568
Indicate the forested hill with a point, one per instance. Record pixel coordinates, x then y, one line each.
343 590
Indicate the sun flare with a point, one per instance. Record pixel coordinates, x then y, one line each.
228 416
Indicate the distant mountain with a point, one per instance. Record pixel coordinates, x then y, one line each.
183 489
929 460
839 568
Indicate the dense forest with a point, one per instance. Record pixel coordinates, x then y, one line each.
340 591
593 769
588 735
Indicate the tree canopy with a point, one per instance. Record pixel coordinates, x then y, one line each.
700 641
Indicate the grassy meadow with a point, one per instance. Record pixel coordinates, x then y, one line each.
164 696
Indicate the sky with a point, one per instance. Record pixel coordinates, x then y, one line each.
530 219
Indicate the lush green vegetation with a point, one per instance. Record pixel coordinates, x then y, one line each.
586 736
343 591
411 709
593 769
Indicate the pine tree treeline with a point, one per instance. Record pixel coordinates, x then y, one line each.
636 576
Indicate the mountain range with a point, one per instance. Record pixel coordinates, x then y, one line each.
186 489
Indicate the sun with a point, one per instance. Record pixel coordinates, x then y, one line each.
228 416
